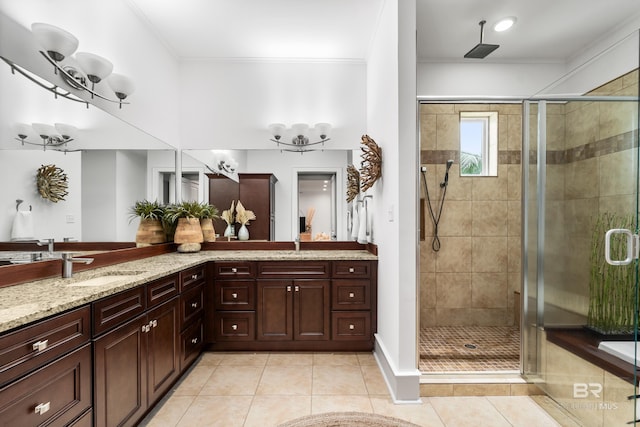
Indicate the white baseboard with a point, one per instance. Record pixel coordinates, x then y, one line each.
404 386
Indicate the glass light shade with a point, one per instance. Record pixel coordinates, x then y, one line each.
57 42
44 130
23 130
323 130
277 130
67 131
122 85
96 67
300 129
504 24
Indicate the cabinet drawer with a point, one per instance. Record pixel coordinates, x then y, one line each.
235 295
191 340
235 326
34 346
54 395
350 294
117 309
351 326
191 304
162 290
237 270
192 277
294 270
344 269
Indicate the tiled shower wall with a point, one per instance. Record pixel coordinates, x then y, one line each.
590 170
472 279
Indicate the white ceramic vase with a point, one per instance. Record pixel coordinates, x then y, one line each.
243 233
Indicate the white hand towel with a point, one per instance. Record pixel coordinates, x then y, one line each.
362 229
355 222
22 226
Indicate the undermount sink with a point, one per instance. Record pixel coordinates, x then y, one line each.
107 278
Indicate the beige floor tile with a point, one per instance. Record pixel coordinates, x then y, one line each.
286 380
290 359
422 414
244 359
522 411
269 411
212 411
333 359
462 411
366 359
210 359
374 380
338 380
170 413
192 384
322 404
237 380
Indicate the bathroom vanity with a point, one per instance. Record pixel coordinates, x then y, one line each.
101 348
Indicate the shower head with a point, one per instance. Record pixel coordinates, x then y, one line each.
449 163
481 50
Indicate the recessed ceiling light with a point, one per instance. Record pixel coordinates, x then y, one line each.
504 24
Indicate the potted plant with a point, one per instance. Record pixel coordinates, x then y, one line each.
186 217
243 216
207 214
150 230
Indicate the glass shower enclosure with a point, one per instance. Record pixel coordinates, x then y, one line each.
580 283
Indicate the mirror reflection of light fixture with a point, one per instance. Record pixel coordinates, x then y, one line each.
223 163
58 45
299 135
55 137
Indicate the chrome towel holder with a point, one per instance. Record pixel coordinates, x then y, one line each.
18 202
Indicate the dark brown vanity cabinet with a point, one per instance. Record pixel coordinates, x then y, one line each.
45 371
136 361
353 300
192 306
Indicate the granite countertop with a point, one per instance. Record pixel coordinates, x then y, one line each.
28 302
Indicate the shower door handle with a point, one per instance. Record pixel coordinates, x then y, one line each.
632 246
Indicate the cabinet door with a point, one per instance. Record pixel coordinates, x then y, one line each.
120 374
274 311
163 363
311 309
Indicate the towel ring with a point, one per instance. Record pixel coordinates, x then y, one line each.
18 202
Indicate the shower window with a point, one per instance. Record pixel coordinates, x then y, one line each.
479 143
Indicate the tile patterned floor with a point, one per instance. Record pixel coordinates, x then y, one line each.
266 389
450 349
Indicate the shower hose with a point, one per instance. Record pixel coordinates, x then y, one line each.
435 243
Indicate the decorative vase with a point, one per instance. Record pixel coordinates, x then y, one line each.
188 235
208 232
149 232
229 231
243 233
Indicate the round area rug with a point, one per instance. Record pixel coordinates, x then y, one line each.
350 419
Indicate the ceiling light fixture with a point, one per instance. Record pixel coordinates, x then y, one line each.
58 46
504 24
300 136
55 137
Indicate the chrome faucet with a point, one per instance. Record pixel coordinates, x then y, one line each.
67 263
296 242
48 242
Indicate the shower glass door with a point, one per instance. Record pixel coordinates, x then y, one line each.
580 180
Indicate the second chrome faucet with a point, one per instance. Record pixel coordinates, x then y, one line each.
67 263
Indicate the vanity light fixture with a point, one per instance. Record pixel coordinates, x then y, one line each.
300 136
55 137
57 47
504 24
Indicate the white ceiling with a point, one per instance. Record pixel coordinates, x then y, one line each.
546 30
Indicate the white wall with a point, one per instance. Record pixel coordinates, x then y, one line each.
18 170
391 122
230 104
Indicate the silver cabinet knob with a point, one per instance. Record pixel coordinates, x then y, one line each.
352 295
297 288
194 276
194 305
234 295
194 340
352 327
351 270
40 345
153 323
234 270
41 408
288 288
234 327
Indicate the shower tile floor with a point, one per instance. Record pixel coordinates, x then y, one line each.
456 349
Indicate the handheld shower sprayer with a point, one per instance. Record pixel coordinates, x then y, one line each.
446 174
